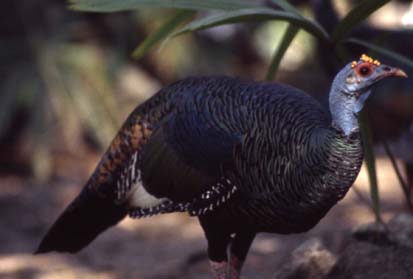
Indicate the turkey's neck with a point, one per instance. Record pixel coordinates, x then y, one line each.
344 108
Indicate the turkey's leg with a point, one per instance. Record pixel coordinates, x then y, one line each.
217 253
240 246
218 241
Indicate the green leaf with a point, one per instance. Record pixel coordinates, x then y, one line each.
402 182
39 123
384 51
105 6
370 164
258 14
162 32
286 6
9 100
355 16
288 37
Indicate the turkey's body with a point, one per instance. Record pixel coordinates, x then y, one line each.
288 164
244 156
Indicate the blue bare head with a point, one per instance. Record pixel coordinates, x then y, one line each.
351 88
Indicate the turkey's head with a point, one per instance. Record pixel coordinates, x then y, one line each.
362 74
351 88
359 76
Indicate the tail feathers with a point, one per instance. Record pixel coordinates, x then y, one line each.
81 222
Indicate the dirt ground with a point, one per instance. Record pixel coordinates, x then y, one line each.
168 246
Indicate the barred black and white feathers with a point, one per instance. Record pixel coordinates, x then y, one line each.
243 156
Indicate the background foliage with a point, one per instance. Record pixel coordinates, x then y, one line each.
65 84
71 72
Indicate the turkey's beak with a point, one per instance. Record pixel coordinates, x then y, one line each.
387 71
398 73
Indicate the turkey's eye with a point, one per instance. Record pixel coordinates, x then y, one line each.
364 71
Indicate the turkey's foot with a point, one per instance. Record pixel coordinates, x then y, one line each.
223 270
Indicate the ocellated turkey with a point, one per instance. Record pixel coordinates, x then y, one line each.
243 156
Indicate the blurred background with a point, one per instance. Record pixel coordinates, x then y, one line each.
68 80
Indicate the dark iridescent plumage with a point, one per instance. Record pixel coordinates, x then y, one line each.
274 143
244 156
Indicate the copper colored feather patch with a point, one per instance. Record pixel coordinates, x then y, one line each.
128 141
